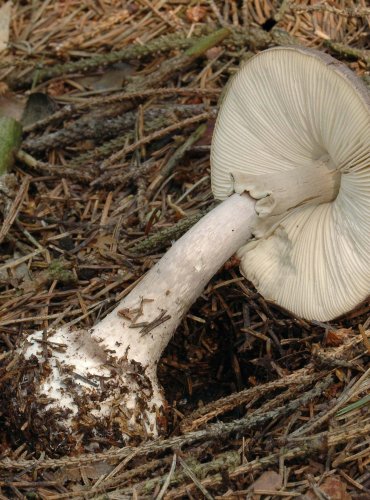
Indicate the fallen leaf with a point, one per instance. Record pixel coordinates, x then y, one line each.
75 473
195 14
206 138
38 106
3 88
333 488
19 272
213 52
56 88
335 338
110 79
5 14
12 105
268 481
104 241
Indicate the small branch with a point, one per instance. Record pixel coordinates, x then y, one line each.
94 126
253 36
325 415
176 157
154 136
166 69
349 52
71 109
212 410
194 478
132 52
163 238
168 479
231 461
214 431
57 170
123 178
171 67
137 84
345 12
14 208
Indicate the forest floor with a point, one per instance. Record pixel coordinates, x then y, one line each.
114 165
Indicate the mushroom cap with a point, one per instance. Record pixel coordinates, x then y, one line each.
291 108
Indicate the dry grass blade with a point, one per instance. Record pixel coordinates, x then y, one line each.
14 208
168 479
195 480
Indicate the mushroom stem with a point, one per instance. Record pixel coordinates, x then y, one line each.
143 323
107 378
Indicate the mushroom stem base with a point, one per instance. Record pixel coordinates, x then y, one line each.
104 381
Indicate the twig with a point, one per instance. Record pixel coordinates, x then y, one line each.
137 84
214 431
14 208
72 109
202 415
96 126
228 460
156 135
161 239
323 417
176 157
349 52
195 480
231 461
171 67
57 170
168 479
345 11
132 52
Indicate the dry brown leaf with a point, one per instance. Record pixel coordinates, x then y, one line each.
195 14
268 481
206 138
94 471
38 106
335 338
110 79
213 52
104 241
12 105
333 488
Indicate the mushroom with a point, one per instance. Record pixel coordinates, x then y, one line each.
294 132
291 162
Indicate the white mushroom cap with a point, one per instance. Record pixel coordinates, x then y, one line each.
288 115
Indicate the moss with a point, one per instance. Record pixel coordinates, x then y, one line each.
59 270
10 139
